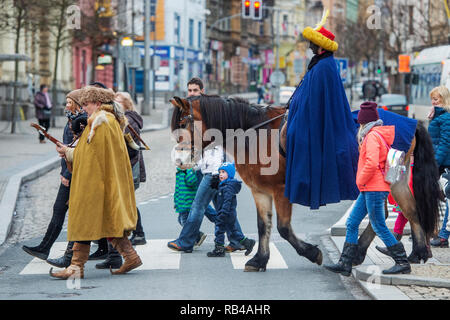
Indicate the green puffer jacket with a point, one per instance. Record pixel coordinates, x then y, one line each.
186 185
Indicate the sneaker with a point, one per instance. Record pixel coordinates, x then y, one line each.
219 251
174 246
230 248
200 240
248 244
137 240
439 242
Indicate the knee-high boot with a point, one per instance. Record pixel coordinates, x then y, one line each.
344 265
79 258
397 252
126 250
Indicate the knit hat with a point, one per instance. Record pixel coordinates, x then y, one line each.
229 168
321 36
75 95
368 112
94 94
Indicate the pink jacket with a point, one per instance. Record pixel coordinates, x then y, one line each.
372 156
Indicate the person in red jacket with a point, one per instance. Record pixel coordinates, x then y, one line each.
372 138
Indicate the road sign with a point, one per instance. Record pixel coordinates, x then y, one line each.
404 63
342 65
132 56
277 78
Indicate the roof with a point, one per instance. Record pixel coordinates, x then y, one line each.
432 55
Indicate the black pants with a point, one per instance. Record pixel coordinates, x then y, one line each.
46 124
60 208
139 229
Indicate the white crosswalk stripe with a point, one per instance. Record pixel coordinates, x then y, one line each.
276 260
156 256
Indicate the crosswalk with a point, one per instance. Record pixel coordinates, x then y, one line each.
155 255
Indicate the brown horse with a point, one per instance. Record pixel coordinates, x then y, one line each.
198 114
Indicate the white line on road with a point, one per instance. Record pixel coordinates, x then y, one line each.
38 266
276 261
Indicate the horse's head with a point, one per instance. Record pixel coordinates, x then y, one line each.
185 117
186 124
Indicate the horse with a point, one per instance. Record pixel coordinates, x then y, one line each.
224 114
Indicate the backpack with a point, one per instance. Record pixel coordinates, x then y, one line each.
394 167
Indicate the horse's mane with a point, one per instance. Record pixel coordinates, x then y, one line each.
231 113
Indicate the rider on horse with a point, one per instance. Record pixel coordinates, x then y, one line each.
321 148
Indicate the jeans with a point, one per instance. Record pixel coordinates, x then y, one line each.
444 234
200 207
227 223
372 203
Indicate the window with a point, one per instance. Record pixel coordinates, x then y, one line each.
199 40
191 32
177 28
153 15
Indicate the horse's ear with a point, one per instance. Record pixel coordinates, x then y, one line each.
178 103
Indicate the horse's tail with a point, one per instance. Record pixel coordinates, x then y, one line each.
427 191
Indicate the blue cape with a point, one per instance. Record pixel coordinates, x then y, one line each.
405 128
321 147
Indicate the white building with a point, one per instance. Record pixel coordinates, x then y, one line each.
180 31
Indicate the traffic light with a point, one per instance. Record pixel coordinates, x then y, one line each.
379 70
257 10
246 9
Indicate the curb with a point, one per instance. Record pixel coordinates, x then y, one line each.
12 189
11 193
361 273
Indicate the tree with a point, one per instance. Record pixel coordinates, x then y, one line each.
15 14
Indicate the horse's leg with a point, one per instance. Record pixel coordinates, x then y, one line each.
263 203
365 239
403 196
284 213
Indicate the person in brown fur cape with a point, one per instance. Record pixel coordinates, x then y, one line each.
102 202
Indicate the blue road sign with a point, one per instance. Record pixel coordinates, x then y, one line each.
342 65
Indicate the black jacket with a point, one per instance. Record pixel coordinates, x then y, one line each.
136 122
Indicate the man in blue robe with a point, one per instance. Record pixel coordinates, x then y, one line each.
321 146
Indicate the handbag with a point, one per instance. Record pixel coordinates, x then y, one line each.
394 167
47 112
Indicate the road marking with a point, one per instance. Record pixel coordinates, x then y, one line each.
38 266
155 255
276 260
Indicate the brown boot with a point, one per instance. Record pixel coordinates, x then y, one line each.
79 258
126 250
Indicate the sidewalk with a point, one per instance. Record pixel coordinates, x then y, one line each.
23 158
422 283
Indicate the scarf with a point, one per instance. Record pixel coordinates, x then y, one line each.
366 129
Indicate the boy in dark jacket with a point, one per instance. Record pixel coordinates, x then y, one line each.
226 204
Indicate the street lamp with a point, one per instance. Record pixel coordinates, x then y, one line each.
127 42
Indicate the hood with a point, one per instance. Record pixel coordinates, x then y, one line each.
387 132
236 185
135 117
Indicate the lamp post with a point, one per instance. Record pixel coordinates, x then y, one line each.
127 42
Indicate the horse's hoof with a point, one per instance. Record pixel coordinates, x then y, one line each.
254 269
319 258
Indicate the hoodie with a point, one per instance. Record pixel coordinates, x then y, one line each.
226 202
372 157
